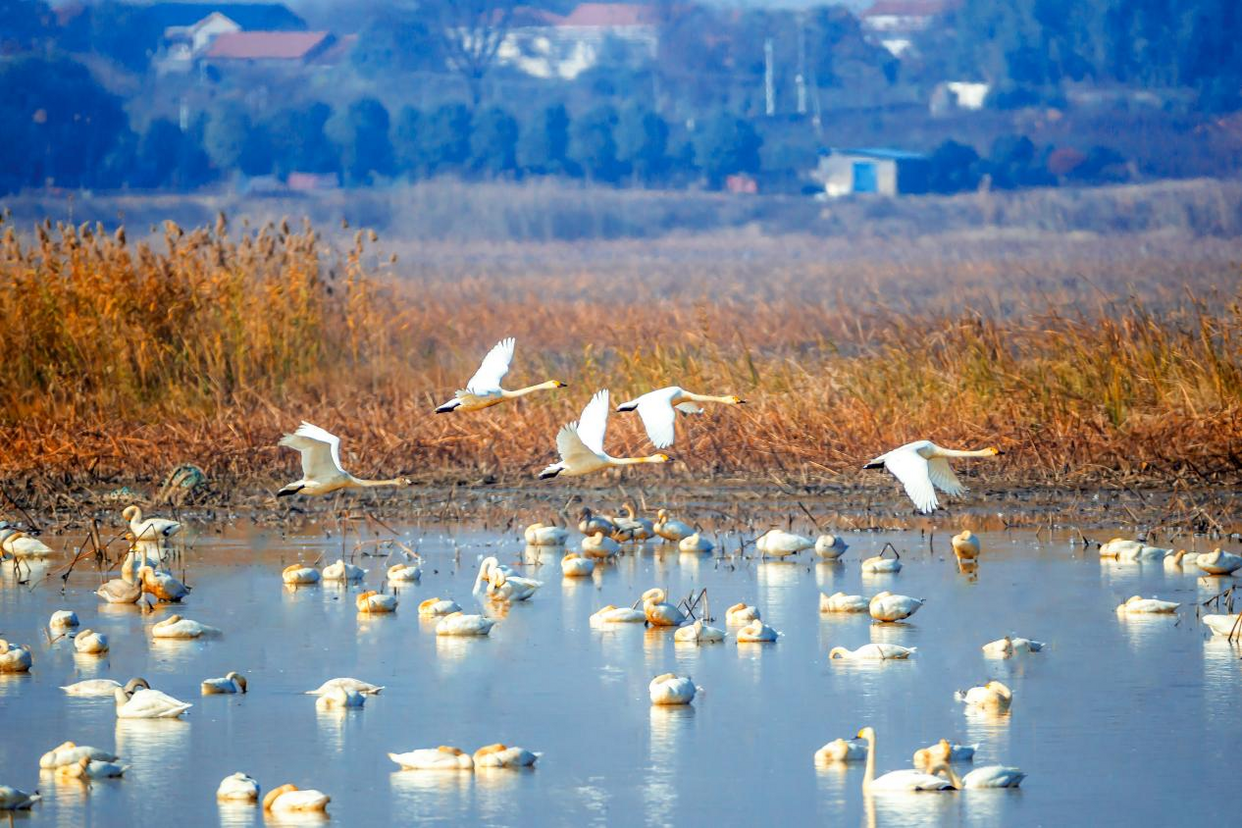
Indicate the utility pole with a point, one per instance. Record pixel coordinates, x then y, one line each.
769 79
800 78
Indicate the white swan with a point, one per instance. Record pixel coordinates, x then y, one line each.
944 751
830 547
438 607
86 768
670 688
698 633
544 534
151 529
670 529
659 410
841 750
631 527
898 780
14 658
922 467
375 602
1137 605
617 615
777 543
504 587
404 573
22 546
174 626
1181 558
503 756
756 632
90 642
162 585
590 523
483 389
881 564
322 472
659 612
62 620
340 697
289 798
70 753
233 682
238 787
574 565
991 696
741 613
357 685
12 799
299 575
119 591
437 758
341 571
581 444
1223 625
600 546
873 652
458 624
148 704
695 544
1121 548
840 602
1011 645
887 607
988 776
966 545
1219 562
91 687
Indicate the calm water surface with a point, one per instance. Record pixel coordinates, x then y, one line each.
1118 722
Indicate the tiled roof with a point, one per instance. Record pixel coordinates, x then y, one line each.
265 45
608 15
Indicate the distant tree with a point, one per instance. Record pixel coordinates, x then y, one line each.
397 41
543 146
593 146
1101 165
493 142
727 145
407 147
158 156
471 33
300 142
954 168
642 142
124 32
1012 163
361 132
445 142
224 138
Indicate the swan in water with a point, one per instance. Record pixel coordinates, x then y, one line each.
840 602
546 534
341 571
458 624
698 633
404 573
1011 645
483 390
695 544
966 545
234 682
841 750
756 632
581 444
119 591
503 756
1219 562
1122 549
289 798
777 543
830 547
873 652
18 544
70 753
741 613
503 587
1137 605
880 564
174 626
574 565
991 696
321 465
438 607
617 615
357 685
11 799
162 585
988 776
659 612
658 410
102 687
898 780
62 620
887 607
238 787
87 768
148 704
944 751
632 527
299 575
669 688
340 697
922 467
376 602
1223 625
90 642
670 529
1181 558
590 523
437 758
151 529
14 658
600 546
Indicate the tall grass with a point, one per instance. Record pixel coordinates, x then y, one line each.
122 359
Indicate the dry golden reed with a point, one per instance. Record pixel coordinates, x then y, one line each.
125 358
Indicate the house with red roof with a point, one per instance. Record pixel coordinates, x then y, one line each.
894 23
548 45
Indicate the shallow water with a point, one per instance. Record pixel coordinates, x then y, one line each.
1118 722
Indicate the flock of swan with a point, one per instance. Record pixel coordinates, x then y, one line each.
922 467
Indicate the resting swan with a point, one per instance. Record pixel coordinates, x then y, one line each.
670 529
617 615
437 758
238 787
922 467
898 780
873 652
992 696
841 750
465 625
756 632
174 626
944 751
1137 605
233 682
483 390
988 776
659 612
342 571
1011 645
777 543
545 534
574 565
830 547
503 756
840 602
1219 562
375 602
148 704
289 798
966 545
698 633
581 444
669 688
887 607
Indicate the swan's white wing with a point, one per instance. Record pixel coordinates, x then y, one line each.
571 448
912 470
688 408
656 409
943 478
321 451
593 424
495 366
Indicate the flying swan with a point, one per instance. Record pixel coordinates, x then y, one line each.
581 444
484 389
321 465
659 409
922 467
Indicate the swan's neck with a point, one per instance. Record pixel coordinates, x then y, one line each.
944 452
633 461
690 396
359 483
869 775
522 392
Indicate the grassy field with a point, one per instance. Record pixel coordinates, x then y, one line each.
1086 359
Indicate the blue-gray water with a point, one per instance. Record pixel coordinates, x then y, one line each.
1118 722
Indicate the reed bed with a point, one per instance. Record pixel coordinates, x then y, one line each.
125 358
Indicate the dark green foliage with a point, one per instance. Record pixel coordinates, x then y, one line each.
726 145
642 143
493 142
543 146
593 146
954 168
361 133
446 139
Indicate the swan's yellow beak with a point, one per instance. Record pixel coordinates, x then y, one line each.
559 384
994 450
739 401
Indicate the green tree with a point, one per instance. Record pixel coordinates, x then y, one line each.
642 142
592 145
543 145
727 145
493 142
361 132
407 148
446 140
224 138
954 168
300 142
